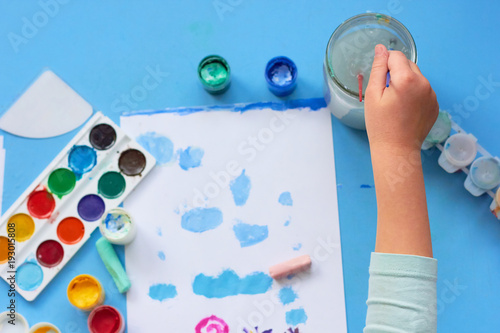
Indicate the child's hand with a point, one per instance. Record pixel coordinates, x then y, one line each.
401 116
398 119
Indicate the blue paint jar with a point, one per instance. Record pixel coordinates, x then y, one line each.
281 76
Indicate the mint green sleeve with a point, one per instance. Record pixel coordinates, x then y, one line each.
402 294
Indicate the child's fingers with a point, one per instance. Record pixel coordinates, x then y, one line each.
414 67
378 75
398 65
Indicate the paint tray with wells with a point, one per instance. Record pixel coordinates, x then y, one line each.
56 215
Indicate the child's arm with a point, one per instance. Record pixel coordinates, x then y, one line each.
402 287
398 119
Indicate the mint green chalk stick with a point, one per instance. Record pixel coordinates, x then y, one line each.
113 264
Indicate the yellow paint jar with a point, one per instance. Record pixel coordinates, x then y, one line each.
44 328
495 205
85 292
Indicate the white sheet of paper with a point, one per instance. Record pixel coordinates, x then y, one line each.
280 151
49 107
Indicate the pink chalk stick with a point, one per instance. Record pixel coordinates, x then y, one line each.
290 267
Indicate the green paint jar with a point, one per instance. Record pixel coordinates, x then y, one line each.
215 74
439 132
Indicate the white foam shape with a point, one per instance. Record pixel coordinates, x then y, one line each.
49 107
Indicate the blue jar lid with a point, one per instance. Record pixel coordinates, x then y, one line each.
281 76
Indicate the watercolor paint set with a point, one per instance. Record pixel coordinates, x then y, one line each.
56 215
460 151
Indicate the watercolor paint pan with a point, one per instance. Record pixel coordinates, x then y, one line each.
56 215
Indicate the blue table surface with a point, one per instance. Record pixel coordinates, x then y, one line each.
105 49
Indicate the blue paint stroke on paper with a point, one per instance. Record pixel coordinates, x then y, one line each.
157 145
201 219
313 104
161 255
249 235
158 231
297 247
285 199
287 223
240 187
296 316
228 283
287 295
366 186
162 291
190 157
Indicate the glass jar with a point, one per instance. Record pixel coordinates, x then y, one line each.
350 53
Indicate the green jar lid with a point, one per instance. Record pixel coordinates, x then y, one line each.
215 74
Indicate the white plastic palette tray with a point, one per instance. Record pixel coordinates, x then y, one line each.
43 244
